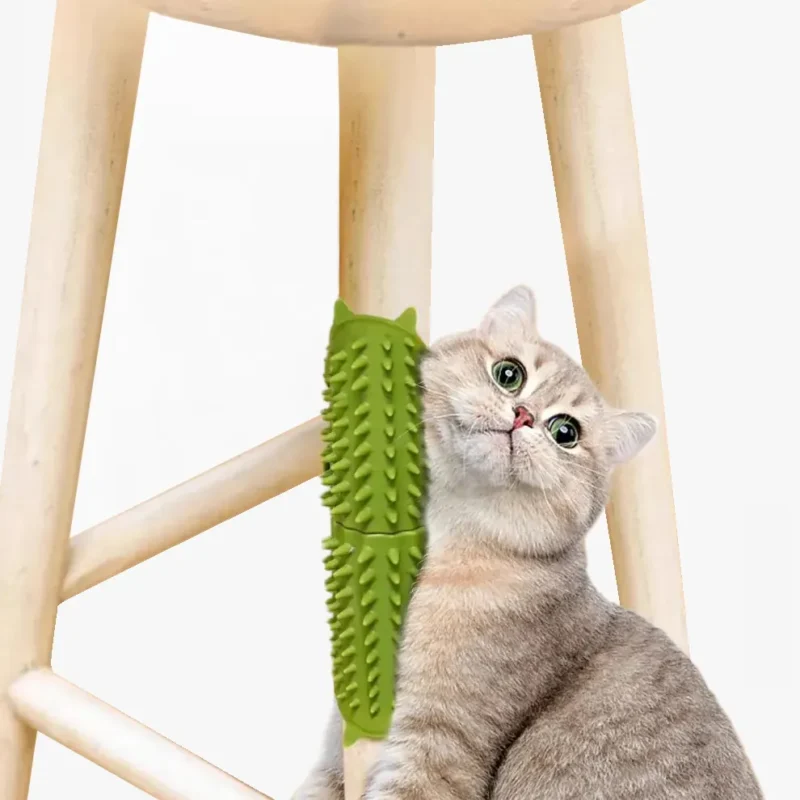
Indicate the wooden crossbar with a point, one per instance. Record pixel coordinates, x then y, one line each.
194 506
118 743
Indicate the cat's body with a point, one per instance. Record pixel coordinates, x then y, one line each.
517 679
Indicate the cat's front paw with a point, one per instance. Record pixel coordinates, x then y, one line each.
321 785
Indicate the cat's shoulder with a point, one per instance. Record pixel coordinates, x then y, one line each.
636 651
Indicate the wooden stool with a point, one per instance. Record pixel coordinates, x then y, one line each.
385 225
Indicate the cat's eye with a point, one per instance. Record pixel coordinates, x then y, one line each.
565 430
508 374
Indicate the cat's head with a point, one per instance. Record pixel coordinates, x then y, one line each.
519 440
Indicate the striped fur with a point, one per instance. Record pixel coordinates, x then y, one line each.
517 679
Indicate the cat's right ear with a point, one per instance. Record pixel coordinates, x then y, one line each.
627 433
512 317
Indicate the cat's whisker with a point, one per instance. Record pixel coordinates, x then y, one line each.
434 418
428 392
570 501
585 468
553 515
464 456
563 472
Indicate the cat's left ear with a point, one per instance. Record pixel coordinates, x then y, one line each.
512 317
626 433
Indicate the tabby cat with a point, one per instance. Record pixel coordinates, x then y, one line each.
517 679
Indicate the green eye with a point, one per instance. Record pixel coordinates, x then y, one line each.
565 430
508 374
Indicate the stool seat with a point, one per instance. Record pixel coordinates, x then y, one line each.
387 22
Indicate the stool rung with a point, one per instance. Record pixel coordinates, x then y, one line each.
194 506
123 746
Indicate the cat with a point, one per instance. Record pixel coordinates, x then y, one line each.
516 678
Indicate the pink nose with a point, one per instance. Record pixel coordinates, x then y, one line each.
522 417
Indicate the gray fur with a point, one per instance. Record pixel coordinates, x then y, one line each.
517 678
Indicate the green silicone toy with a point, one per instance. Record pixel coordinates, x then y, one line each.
374 471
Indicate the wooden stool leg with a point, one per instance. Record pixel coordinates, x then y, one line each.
587 108
386 100
386 179
94 70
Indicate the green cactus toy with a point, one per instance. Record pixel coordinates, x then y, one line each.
374 471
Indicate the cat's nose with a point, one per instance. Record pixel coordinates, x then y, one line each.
522 417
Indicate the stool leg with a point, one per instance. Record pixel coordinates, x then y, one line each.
587 109
386 98
94 71
386 179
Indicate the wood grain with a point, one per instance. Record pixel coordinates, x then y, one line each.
94 71
386 98
385 212
193 506
401 22
587 106
123 746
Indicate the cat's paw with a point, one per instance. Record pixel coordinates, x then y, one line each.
321 785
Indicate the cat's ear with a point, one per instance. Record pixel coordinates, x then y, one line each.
513 316
626 433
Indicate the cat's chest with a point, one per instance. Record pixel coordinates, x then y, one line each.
456 599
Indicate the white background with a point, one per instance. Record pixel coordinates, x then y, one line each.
220 300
